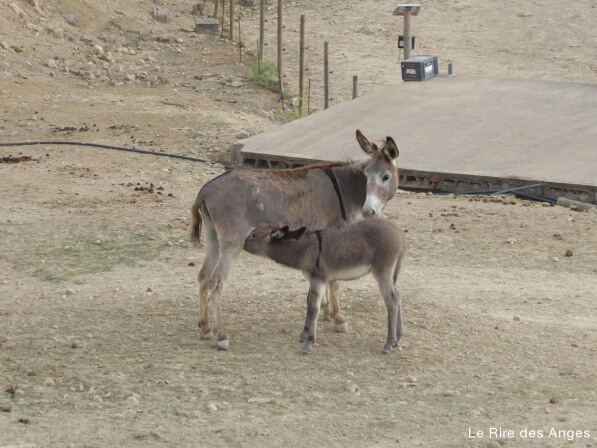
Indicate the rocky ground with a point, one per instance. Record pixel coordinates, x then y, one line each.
98 294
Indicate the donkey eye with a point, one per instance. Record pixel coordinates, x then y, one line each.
385 178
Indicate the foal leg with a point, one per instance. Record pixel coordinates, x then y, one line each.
211 256
340 324
316 291
391 299
400 331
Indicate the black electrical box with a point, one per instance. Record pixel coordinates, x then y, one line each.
401 42
419 68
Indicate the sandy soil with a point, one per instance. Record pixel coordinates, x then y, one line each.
99 342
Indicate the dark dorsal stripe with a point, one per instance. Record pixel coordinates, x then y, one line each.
318 234
332 177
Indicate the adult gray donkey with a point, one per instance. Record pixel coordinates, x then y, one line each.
317 196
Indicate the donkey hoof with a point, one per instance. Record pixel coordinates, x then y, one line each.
207 336
306 351
223 344
341 327
386 351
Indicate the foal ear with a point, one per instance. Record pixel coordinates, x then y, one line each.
279 234
391 149
366 145
295 234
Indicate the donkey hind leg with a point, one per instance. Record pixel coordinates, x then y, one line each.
211 256
340 324
325 305
216 284
392 301
316 291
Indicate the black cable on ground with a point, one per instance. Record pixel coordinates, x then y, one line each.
119 148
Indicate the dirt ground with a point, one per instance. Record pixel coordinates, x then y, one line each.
99 344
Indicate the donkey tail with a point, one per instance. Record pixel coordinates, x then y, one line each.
197 222
399 262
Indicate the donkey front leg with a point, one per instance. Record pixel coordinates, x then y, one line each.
316 291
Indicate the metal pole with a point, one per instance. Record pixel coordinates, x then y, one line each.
302 66
407 41
355 92
326 77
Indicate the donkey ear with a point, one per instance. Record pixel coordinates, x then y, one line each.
279 234
391 149
366 145
295 234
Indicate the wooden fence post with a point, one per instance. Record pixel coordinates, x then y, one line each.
280 83
261 29
302 66
232 20
355 92
326 77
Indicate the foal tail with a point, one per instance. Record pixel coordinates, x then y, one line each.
197 222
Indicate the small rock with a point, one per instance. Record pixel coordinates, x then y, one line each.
554 400
69 292
516 318
510 240
97 50
71 19
569 253
149 290
191 263
48 382
25 421
97 399
411 379
352 388
451 393
17 10
31 373
555 259
6 409
242 135
132 401
211 407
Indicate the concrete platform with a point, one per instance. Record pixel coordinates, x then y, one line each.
456 133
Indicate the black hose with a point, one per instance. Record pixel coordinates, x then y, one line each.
119 148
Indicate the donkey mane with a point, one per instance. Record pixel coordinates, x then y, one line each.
297 173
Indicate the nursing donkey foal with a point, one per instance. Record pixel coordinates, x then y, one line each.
231 205
373 245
